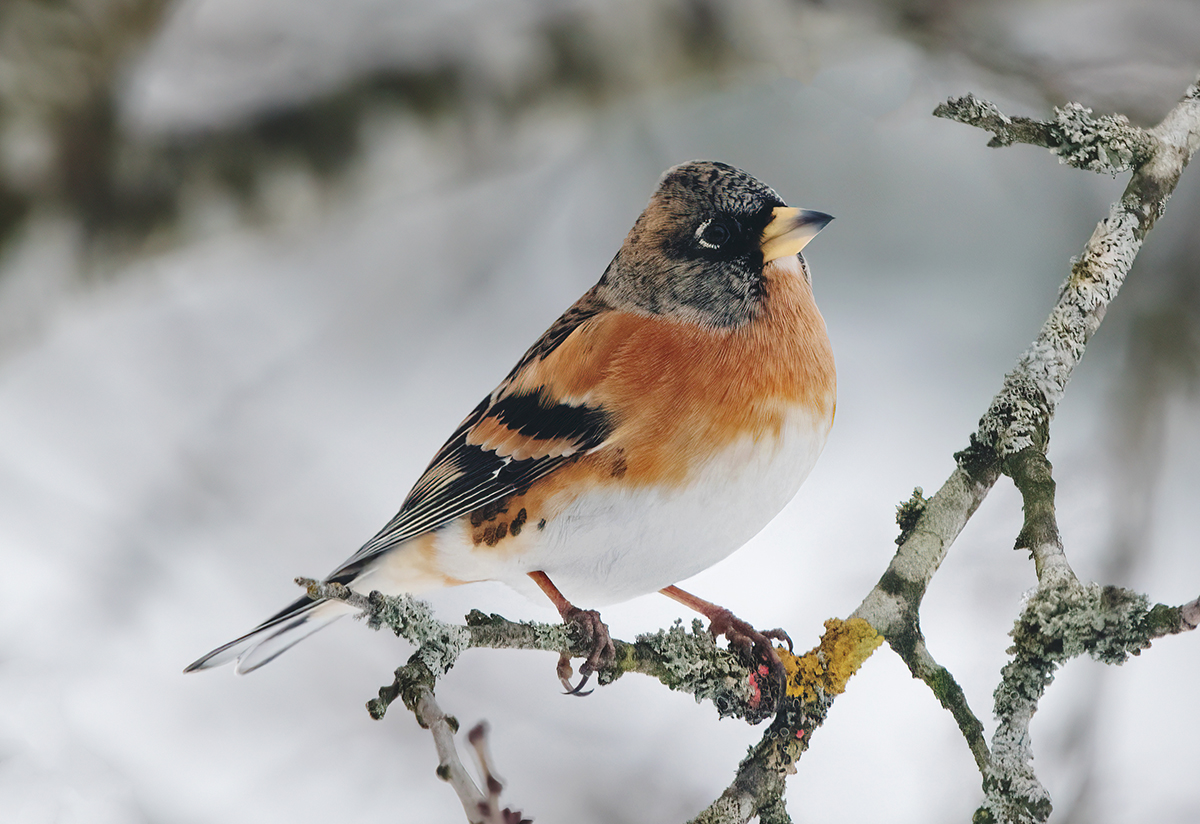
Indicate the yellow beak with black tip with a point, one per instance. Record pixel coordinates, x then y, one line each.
790 230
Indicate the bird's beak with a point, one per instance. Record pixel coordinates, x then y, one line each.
790 230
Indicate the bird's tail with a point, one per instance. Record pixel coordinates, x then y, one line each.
277 634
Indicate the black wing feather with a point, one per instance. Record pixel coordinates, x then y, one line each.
464 477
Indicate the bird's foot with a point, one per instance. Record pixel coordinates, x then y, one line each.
585 627
756 649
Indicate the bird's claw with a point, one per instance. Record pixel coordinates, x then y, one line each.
585 625
565 672
778 634
754 647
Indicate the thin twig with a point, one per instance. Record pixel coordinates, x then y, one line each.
490 809
1109 143
450 768
1032 474
951 696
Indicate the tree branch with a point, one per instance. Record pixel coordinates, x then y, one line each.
1061 620
814 681
1059 623
419 698
683 660
438 647
1064 618
1109 143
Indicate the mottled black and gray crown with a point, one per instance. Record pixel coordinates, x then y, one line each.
720 186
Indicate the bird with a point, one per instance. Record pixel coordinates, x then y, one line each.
660 423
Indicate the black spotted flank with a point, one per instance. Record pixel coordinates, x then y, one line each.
530 416
518 522
466 478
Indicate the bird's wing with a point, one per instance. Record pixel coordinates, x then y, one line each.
511 439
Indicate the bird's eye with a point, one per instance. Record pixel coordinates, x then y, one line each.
712 234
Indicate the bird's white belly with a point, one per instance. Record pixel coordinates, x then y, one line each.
611 545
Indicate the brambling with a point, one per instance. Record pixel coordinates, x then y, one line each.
654 428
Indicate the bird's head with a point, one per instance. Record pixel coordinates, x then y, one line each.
698 251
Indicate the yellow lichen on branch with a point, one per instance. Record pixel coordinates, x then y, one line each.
843 649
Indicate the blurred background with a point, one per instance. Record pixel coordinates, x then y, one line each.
258 258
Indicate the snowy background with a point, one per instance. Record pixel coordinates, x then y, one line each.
197 409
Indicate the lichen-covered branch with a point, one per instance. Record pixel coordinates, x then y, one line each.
438 644
1109 143
814 680
1019 416
1014 432
1059 623
951 696
1165 620
892 607
1063 619
1068 616
688 661
683 659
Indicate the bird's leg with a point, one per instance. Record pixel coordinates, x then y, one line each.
592 631
753 645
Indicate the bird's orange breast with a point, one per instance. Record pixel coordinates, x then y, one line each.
680 393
